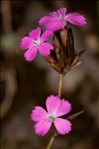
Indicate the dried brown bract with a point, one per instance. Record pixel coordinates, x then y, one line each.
64 57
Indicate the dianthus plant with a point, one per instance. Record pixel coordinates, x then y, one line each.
60 55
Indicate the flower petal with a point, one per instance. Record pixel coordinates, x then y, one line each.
45 48
52 104
44 20
64 108
63 11
55 24
30 54
46 35
53 14
42 127
63 126
76 19
26 42
38 114
35 33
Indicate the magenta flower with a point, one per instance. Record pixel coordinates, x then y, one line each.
58 19
36 42
44 119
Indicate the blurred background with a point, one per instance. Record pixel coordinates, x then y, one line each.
24 85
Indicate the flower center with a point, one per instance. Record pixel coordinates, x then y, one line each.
61 16
52 118
37 42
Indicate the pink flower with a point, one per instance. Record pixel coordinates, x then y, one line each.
58 19
36 42
44 119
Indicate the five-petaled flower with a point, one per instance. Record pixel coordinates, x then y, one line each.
44 119
58 19
36 42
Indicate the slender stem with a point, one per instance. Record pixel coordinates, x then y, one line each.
60 85
59 94
71 117
51 141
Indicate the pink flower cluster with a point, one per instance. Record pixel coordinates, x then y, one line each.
44 119
35 42
55 21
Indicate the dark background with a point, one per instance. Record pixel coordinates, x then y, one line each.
24 84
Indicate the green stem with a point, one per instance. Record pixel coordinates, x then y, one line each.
51 141
59 94
71 117
60 85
